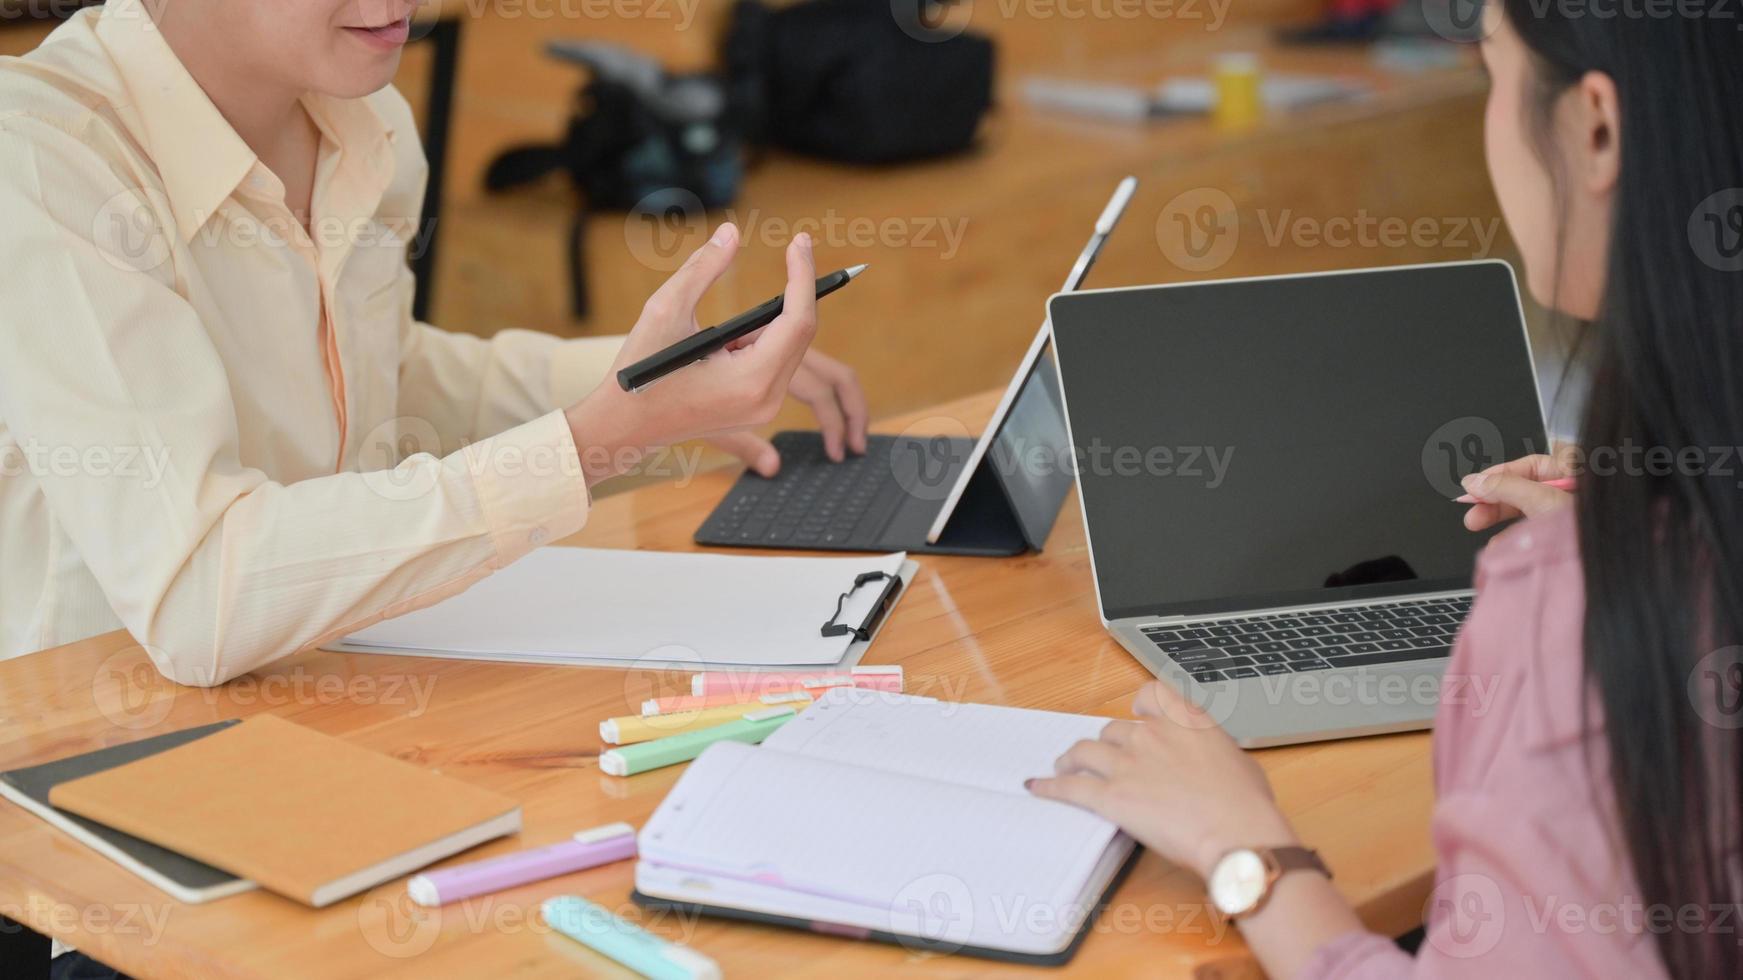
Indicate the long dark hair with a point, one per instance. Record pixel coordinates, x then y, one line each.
1662 547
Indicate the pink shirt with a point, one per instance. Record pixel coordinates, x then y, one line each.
1532 880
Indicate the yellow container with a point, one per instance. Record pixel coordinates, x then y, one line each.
1240 103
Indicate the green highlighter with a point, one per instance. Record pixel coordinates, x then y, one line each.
627 760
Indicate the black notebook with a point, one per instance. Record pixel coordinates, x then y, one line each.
183 877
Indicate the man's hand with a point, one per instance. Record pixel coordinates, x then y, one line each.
736 389
833 392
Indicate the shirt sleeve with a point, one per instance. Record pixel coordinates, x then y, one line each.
469 388
214 568
1483 919
1527 884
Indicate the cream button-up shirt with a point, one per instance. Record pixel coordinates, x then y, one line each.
219 430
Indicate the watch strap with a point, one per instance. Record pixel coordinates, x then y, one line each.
1295 858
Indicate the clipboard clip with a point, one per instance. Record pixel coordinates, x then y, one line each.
878 611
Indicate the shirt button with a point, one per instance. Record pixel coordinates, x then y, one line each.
538 537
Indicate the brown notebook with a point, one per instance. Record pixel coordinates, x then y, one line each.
306 815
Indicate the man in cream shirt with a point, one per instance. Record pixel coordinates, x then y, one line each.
220 427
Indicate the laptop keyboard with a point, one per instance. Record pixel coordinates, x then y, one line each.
812 501
1298 642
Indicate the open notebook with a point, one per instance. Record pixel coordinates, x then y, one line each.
894 818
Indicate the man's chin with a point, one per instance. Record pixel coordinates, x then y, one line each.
360 77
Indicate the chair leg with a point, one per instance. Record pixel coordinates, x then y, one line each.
445 35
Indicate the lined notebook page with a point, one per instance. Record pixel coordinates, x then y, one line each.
880 840
981 745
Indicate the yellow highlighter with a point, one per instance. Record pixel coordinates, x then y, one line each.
630 729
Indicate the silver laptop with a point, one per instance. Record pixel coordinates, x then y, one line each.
1266 469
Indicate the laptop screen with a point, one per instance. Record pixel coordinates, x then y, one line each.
1274 442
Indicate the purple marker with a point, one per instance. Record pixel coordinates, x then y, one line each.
587 849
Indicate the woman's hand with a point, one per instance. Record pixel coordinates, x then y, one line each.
735 389
1515 488
833 392
1174 780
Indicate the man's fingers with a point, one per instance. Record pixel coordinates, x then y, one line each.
786 339
684 289
1526 495
822 398
753 450
852 399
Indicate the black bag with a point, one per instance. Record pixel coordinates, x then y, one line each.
861 81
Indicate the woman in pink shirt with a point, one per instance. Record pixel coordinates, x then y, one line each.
1587 820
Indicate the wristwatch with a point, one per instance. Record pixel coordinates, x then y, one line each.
1244 877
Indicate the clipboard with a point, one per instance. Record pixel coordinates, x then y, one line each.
865 631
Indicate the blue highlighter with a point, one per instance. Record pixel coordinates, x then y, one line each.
608 934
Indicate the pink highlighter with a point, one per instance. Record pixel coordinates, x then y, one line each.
752 685
587 849
1561 483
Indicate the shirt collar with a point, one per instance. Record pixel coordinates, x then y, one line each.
199 157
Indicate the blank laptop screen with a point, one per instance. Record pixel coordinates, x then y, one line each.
1249 444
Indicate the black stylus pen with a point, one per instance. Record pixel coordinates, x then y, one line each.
707 341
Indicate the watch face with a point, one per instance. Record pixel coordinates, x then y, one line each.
1237 882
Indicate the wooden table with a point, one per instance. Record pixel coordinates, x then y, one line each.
1019 631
